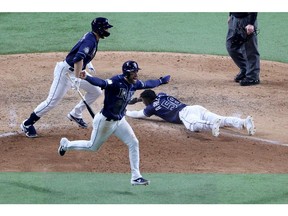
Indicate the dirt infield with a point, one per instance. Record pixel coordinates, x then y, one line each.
164 147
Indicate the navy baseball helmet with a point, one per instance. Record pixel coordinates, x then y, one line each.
130 66
100 25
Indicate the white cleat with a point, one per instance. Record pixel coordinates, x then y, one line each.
216 127
249 125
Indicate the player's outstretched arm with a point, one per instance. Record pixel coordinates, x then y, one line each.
155 83
94 80
134 100
136 114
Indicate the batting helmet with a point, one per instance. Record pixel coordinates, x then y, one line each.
99 25
130 66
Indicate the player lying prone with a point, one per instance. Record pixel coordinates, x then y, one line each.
195 117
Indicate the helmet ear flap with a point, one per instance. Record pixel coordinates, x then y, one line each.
99 26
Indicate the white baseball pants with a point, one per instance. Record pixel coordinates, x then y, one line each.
102 130
198 118
60 85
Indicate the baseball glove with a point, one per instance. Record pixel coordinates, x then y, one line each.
135 100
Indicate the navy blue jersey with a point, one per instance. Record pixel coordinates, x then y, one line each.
85 49
165 107
118 92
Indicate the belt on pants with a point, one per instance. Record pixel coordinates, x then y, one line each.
70 68
110 119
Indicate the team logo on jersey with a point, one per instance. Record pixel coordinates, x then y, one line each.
86 50
125 95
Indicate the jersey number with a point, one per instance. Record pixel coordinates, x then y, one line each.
170 103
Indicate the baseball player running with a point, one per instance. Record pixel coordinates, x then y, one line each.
77 60
195 118
111 119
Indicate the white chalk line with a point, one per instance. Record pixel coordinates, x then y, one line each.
8 134
254 138
13 133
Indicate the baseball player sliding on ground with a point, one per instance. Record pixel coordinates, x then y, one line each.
195 118
111 119
77 60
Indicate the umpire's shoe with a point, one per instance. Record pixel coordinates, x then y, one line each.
29 130
140 181
79 121
240 76
249 82
63 142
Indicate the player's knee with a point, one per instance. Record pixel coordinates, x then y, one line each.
133 143
93 146
194 127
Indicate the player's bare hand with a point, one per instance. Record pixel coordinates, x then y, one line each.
249 29
76 83
83 74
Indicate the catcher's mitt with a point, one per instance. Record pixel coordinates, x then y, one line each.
135 100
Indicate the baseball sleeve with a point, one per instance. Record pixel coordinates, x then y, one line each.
136 114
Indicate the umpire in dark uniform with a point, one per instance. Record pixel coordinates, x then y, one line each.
244 54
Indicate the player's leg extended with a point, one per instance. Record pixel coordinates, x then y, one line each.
191 118
226 121
58 89
102 130
126 134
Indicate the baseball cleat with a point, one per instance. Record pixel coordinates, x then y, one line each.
79 121
249 125
29 131
140 181
216 127
63 142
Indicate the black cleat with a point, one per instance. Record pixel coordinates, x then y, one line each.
29 131
63 142
140 181
79 121
248 82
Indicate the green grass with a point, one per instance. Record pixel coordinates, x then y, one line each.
160 32
99 188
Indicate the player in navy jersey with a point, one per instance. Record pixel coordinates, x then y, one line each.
77 60
195 118
111 119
